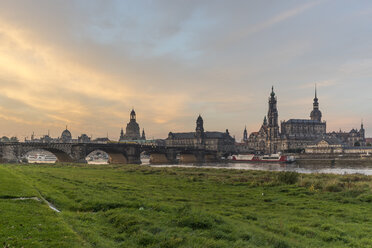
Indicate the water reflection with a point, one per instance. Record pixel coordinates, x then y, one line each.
309 168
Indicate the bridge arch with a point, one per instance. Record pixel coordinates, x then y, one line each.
61 156
114 156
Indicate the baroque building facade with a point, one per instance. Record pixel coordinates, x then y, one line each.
132 131
214 141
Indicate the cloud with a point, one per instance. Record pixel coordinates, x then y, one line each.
64 91
86 63
270 22
319 84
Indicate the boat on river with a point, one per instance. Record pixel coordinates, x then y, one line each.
271 158
41 158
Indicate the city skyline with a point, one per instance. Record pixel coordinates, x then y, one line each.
87 63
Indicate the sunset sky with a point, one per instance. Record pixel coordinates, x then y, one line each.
86 63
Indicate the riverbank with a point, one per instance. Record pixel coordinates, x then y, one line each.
142 206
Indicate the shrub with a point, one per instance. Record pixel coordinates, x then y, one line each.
334 188
288 177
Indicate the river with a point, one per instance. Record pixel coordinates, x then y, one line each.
308 168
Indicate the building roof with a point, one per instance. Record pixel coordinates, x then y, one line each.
358 147
189 135
192 135
298 121
216 135
329 140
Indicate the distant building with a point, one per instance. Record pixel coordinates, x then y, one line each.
353 138
215 141
268 139
296 134
332 145
66 137
132 131
325 145
103 140
84 138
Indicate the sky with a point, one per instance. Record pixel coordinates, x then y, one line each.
87 63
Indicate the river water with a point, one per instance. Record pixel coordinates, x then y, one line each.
308 168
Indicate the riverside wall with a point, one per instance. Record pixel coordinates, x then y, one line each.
334 159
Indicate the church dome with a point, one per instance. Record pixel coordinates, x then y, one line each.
66 135
316 115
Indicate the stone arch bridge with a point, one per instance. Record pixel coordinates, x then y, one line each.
122 153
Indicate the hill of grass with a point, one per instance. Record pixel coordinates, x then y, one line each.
140 206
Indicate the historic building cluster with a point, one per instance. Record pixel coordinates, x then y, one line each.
65 137
295 134
216 141
132 133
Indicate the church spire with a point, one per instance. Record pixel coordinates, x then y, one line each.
122 134
245 134
133 115
199 125
362 131
272 91
273 111
315 114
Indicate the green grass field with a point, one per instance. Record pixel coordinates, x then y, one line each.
140 206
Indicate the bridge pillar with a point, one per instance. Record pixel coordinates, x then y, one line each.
195 157
117 158
79 154
133 155
10 154
171 155
210 158
159 158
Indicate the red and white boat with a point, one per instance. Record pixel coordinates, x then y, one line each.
272 158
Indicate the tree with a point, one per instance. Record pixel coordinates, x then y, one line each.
357 143
13 139
369 144
4 139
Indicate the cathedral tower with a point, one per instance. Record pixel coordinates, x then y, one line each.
362 130
199 131
316 115
245 135
273 116
199 125
273 136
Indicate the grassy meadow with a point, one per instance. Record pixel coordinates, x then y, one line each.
140 206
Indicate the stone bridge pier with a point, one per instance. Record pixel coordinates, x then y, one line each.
183 156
